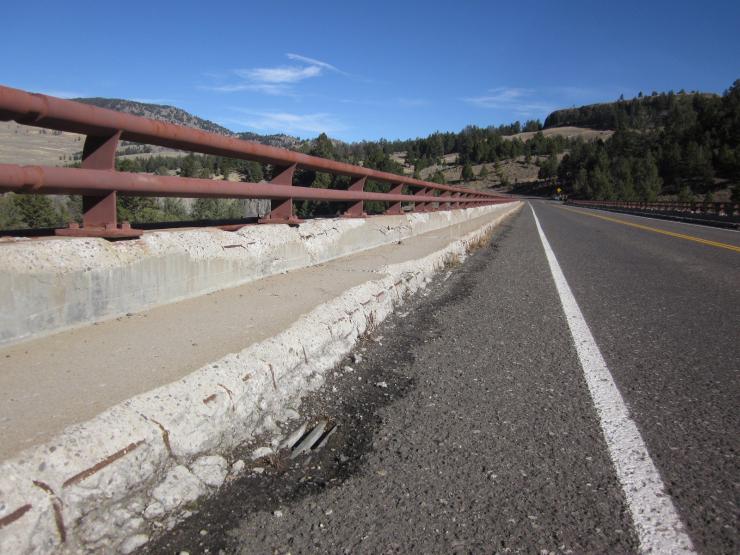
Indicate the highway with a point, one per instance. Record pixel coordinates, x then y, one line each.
571 388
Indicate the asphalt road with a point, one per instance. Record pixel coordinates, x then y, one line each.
665 312
483 435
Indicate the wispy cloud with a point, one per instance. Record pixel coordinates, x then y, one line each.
283 74
521 101
529 102
264 88
278 80
312 62
285 122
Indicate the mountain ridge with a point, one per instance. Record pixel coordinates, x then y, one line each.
180 116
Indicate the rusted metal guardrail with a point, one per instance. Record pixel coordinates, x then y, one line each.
722 213
99 183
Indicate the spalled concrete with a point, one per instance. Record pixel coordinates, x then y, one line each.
116 480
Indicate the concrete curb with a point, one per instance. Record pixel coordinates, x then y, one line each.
112 483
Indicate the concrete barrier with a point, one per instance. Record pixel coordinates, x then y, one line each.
54 284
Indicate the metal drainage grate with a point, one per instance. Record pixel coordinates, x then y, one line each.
304 440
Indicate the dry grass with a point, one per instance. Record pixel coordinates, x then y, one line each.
276 461
371 324
21 144
515 170
452 260
568 132
481 241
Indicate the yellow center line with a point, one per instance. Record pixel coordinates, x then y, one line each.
657 230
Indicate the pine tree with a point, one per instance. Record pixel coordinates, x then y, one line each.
467 172
37 211
10 214
601 179
581 184
438 177
174 209
685 194
549 169
138 209
648 183
623 183
215 209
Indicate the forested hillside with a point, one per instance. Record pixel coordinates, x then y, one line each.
684 145
637 113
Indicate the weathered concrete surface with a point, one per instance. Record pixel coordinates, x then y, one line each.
112 482
54 284
42 379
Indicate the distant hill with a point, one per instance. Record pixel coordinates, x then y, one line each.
638 113
172 114
279 139
160 112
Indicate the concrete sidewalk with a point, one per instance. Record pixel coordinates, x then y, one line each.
52 382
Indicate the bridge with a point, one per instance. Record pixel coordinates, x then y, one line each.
464 372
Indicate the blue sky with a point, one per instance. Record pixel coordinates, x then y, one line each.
368 69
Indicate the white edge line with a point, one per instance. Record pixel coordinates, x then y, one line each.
658 526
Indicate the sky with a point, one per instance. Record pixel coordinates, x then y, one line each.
368 69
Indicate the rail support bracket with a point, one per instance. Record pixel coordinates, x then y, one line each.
420 206
395 208
356 209
281 211
99 217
